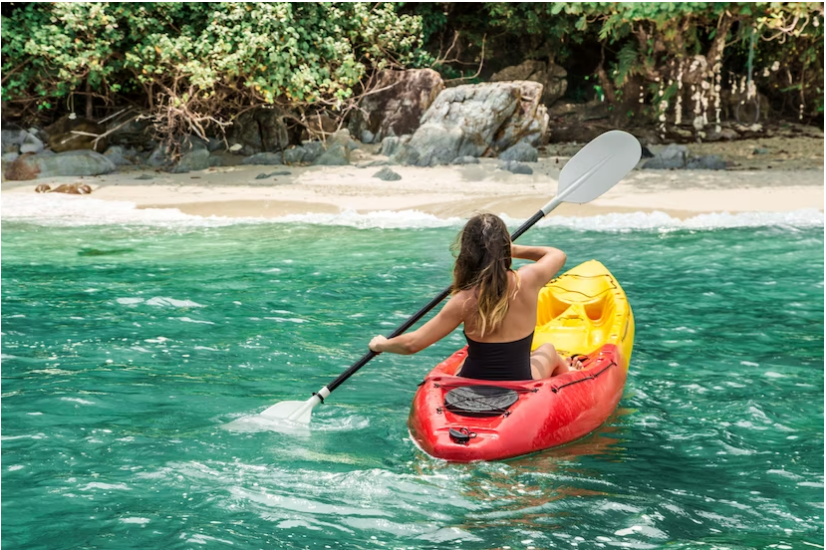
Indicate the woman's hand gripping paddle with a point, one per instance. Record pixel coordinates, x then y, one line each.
595 169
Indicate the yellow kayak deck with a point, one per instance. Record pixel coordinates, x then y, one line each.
584 309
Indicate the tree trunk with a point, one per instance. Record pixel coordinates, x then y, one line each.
719 42
89 101
605 82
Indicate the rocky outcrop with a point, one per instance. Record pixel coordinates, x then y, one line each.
74 134
552 77
398 108
260 130
477 120
70 163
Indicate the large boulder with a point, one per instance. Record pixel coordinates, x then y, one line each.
71 163
477 120
74 133
552 77
398 108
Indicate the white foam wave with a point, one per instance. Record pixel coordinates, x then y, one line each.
67 210
810 217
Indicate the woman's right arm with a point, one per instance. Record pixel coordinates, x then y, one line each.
548 261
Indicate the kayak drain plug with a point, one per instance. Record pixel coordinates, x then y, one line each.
461 436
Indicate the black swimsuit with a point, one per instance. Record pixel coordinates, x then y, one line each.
498 360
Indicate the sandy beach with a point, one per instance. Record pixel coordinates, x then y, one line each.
785 175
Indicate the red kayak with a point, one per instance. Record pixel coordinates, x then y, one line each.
584 312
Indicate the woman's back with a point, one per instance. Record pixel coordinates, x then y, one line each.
495 304
518 322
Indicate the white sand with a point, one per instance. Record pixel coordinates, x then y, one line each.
794 181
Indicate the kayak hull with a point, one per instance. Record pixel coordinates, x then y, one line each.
550 412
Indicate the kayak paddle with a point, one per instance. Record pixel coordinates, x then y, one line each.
595 169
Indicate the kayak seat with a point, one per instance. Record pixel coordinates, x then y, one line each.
480 401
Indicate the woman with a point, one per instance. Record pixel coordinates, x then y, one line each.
496 304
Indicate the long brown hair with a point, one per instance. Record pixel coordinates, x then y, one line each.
483 262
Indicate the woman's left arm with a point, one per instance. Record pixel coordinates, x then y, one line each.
431 332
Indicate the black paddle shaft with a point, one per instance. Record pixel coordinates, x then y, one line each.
422 312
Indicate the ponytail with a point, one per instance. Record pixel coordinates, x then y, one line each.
483 262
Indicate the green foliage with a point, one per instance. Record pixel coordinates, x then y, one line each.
209 61
246 52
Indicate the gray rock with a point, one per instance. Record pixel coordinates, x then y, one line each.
159 157
517 167
162 157
197 159
337 154
439 144
12 140
31 144
84 162
215 160
367 136
673 151
398 108
707 162
672 157
465 160
521 152
312 150
272 174
386 174
342 137
264 159
191 143
471 120
405 155
145 177
215 144
294 155
390 146
117 155
676 157
658 163
10 157
308 152
760 151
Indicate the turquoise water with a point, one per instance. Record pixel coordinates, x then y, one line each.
127 349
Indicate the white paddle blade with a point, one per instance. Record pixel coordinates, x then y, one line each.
598 166
294 411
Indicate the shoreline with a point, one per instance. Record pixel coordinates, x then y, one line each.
758 183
